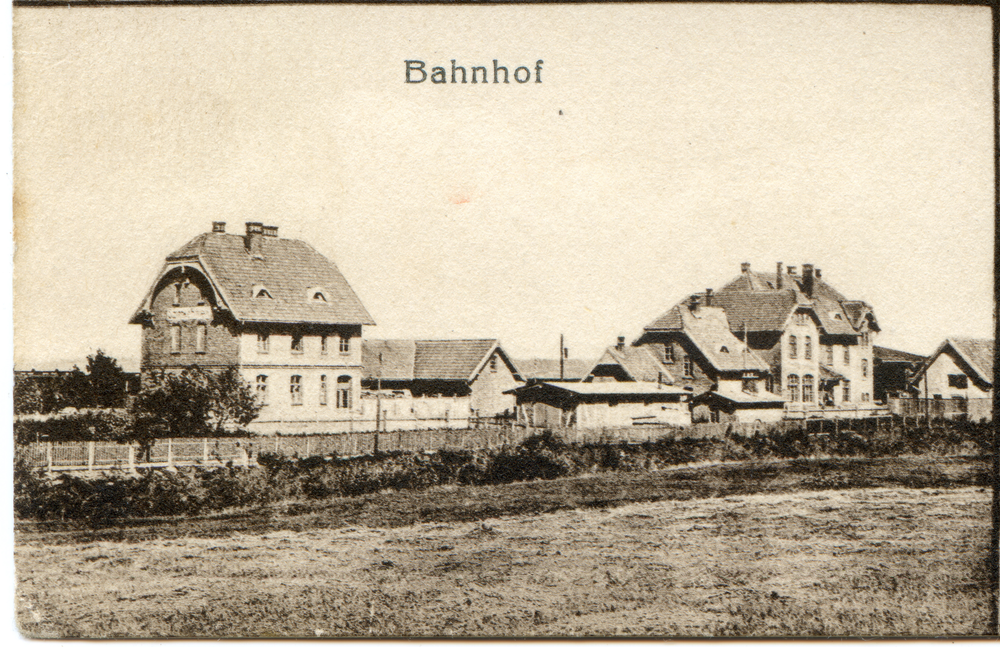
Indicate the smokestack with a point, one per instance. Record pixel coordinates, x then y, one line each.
708 297
807 280
218 227
621 344
779 282
744 267
253 241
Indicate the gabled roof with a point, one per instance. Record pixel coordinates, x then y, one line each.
753 302
548 369
827 374
429 359
639 364
977 354
891 355
709 329
288 269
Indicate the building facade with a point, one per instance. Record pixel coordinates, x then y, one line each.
957 380
816 344
273 307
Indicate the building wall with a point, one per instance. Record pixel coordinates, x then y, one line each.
488 388
700 379
857 365
191 309
936 380
624 414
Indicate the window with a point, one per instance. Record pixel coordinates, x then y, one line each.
807 388
865 339
688 366
846 391
809 347
177 293
864 368
263 342
866 397
322 345
199 338
318 296
749 386
175 339
344 392
724 350
260 292
262 389
493 364
322 390
847 355
958 381
295 389
297 342
668 353
801 318
345 346
793 388
829 355
793 347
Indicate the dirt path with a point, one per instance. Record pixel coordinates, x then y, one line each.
860 562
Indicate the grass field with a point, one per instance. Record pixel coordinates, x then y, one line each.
846 548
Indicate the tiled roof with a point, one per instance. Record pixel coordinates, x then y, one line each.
979 355
829 375
753 303
429 359
288 269
892 355
638 363
710 329
388 359
548 369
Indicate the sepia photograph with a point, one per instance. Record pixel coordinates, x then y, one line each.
469 321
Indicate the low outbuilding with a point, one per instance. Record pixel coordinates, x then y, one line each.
594 405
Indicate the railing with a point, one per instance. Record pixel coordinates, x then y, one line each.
93 456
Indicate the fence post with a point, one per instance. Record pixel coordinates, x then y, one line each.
244 456
170 454
48 456
90 457
131 458
204 450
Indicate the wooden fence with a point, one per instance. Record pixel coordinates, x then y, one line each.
93 457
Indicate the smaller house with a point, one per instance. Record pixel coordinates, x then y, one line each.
736 406
446 379
957 380
893 372
594 405
623 363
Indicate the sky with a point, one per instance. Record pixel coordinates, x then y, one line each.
665 145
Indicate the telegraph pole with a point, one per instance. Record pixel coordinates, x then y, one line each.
562 356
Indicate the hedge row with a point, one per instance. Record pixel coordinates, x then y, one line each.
198 490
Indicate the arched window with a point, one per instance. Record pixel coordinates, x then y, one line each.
864 368
295 389
809 347
793 388
793 347
344 392
262 389
807 388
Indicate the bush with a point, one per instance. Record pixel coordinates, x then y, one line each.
112 425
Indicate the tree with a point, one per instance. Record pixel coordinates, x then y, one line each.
107 381
194 402
28 397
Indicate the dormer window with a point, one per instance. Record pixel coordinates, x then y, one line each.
260 292
316 295
723 350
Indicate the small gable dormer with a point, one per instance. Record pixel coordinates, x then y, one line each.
316 295
260 292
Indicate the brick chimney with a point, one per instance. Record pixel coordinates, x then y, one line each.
708 297
744 267
778 284
791 270
271 231
620 346
693 303
253 241
818 275
218 227
807 280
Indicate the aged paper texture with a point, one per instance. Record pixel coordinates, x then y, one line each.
502 321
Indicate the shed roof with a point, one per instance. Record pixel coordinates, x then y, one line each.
888 355
289 270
